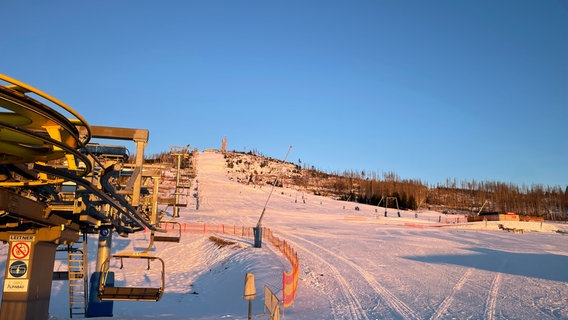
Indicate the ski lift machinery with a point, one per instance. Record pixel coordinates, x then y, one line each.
107 290
130 293
175 226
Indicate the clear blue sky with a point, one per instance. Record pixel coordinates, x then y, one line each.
426 89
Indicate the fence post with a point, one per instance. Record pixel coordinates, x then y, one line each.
283 289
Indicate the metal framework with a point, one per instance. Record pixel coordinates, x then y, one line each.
44 144
386 201
180 153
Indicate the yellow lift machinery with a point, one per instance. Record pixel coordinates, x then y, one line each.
43 150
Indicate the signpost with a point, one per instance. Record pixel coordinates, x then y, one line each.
250 292
29 272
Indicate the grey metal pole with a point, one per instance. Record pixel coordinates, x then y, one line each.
176 208
259 224
250 310
104 247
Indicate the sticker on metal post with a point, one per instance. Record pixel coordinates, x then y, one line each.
17 269
16 285
21 237
20 250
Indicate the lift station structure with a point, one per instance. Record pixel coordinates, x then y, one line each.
55 189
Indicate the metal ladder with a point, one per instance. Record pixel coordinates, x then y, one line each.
78 281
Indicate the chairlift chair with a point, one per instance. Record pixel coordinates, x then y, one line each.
107 292
168 238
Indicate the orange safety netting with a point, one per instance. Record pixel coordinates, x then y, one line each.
289 279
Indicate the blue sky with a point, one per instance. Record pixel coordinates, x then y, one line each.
427 89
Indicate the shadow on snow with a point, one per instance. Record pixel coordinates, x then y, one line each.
535 265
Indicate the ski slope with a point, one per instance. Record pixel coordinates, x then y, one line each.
354 264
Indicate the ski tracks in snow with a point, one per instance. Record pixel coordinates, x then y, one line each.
443 307
491 304
354 306
391 300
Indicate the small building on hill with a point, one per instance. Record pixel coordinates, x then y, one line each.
494 216
508 216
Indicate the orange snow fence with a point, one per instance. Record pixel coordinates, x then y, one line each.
217 228
289 287
289 279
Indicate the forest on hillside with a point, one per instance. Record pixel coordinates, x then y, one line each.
549 202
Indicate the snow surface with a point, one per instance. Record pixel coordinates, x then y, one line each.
354 264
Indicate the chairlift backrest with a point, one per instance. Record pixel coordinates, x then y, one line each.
169 238
107 292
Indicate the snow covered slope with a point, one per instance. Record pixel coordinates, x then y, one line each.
354 264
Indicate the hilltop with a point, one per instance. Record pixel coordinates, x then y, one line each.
465 197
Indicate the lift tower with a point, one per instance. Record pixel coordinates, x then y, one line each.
182 182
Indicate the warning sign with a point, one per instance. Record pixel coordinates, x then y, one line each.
16 285
17 269
20 250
